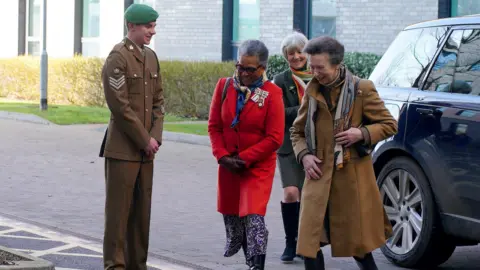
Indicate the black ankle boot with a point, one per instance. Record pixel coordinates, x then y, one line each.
290 224
315 264
258 262
367 262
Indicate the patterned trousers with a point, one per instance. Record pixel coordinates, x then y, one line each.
249 233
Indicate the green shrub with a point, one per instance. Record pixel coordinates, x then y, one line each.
188 85
77 81
360 64
276 64
73 80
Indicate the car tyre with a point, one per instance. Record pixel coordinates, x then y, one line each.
431 247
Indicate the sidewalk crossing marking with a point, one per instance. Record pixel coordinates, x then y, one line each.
64 244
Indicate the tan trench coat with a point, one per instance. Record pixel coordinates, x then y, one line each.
358 222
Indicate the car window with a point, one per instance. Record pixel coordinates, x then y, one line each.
441 76
457 68
406 61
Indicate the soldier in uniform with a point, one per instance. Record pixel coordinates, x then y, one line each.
133 91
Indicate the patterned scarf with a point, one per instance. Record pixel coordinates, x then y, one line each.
301 78
244 93
342 118
343 113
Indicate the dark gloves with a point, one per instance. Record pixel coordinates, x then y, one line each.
232 163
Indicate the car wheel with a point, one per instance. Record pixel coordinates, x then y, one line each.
417 239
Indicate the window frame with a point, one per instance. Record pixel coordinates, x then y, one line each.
310 20
89 39
28 37
454 8
236 24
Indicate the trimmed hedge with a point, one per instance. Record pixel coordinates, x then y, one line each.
77 81
188 85
360 64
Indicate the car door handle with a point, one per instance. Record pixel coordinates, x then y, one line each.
425 111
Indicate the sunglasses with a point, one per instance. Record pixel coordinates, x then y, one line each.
249 70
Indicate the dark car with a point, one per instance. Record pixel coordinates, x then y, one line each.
429 173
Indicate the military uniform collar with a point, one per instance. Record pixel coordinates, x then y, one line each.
134 48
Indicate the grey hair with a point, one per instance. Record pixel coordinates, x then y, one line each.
294 40
254 47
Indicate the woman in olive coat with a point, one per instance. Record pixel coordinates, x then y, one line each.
293 82
340 118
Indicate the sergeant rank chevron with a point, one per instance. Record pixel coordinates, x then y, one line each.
117 83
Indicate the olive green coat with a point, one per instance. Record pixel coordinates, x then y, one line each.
358 223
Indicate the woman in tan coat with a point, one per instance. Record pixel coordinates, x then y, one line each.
341 117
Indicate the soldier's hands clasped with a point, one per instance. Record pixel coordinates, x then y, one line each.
152 147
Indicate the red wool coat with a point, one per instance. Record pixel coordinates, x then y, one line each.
256 139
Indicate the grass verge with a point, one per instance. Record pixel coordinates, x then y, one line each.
70 115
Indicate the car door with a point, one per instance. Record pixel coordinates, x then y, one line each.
443 128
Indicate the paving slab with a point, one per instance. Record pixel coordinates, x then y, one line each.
52 177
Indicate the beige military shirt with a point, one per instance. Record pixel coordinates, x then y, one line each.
133 91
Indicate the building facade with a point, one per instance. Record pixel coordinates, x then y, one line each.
210 30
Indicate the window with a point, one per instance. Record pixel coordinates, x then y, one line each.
444 68
91 28
407 60
465 7
323 18
457 68
34 31
246 22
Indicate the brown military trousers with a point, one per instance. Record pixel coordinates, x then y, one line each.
127 214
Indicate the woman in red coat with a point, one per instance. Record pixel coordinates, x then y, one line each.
246 127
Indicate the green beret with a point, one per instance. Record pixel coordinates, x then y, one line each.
140 14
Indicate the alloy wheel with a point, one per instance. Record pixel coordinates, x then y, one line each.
402 201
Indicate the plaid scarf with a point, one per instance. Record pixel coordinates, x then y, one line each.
301 79
244 93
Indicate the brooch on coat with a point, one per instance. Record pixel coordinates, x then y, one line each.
259 97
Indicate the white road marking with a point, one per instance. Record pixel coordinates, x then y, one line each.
52 250
78 254
24 237
71 242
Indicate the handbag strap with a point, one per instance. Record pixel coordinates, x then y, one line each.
225 86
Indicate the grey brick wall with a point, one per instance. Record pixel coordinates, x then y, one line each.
276 21
371 25
189 30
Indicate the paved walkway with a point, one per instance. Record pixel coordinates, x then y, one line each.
64 251
52 177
